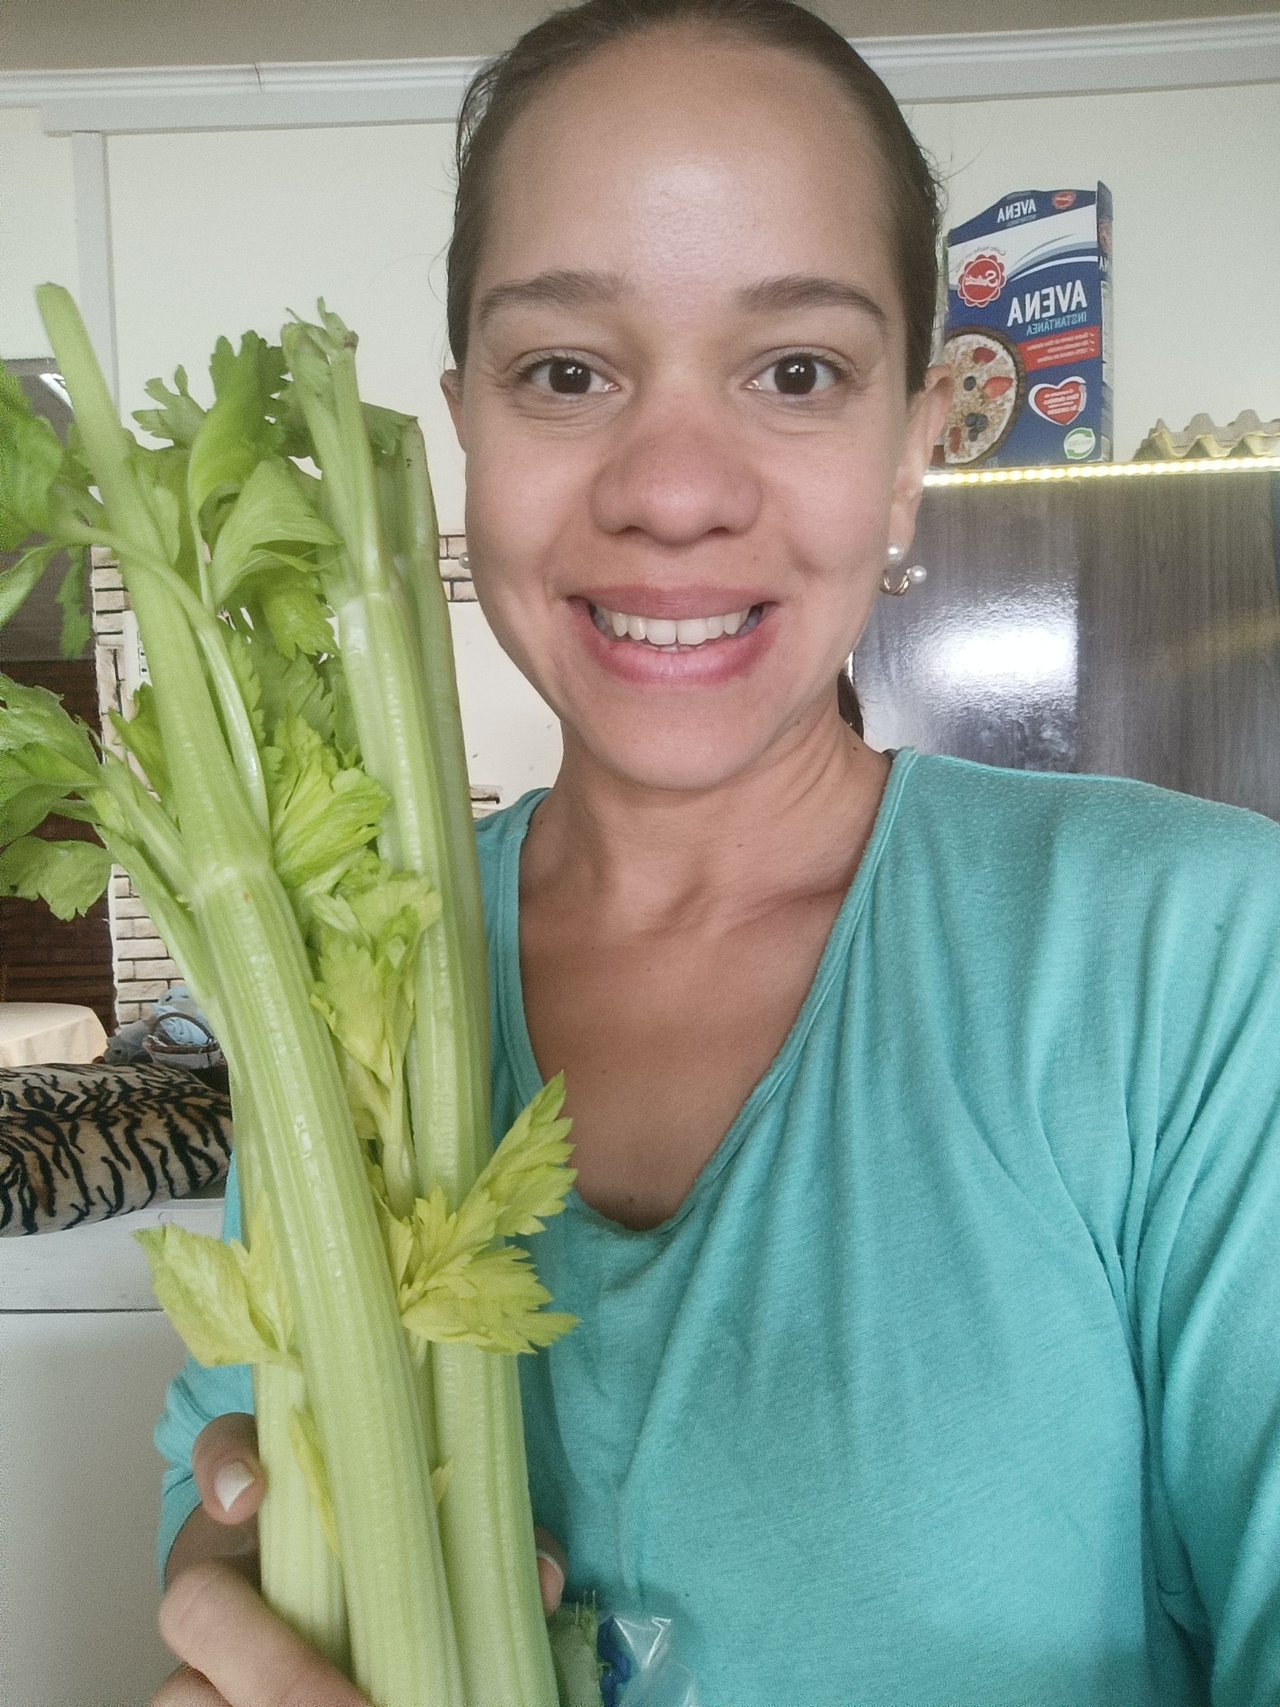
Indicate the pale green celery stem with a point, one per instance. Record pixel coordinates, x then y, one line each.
397 1149
402 1639
418 560
149 824
360 1383
484 1516
109 451
211 636
302 1577
487 1528
386 676
174 923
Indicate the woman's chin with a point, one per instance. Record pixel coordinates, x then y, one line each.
679 755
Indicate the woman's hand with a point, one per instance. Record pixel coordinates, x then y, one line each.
237 1653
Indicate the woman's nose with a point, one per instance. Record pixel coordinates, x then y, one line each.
677 473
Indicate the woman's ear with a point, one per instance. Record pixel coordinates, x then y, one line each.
927 411
451 385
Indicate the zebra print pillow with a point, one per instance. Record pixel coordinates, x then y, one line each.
81 1143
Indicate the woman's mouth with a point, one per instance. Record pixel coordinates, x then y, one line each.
671 634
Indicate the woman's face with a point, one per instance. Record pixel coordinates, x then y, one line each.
684 412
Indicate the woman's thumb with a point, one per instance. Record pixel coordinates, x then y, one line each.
227 1470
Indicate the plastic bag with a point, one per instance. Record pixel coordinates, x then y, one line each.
640 1664
618 1661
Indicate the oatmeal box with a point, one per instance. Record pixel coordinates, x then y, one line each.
1028 331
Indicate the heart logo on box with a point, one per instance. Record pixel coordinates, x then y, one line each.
1062 403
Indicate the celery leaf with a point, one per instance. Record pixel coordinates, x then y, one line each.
179 416
323 815
284 687
26 800
141 737
67 876
268 1296
462 1284
73 601
272 509
293 608
203 1287
348 993
30 461
527 1176
492 1299
441 1476
238 431
20 580
34 718
365 940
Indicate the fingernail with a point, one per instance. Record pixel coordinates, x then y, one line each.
230 1482
554 1563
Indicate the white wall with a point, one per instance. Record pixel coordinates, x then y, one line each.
216 232
1197 232
37 227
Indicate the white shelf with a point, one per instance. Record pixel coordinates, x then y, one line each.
95 1267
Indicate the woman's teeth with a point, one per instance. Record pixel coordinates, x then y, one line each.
674 635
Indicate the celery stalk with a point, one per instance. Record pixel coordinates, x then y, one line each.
297 1560
497 1610
403 1646
302 1573
398 651
303 839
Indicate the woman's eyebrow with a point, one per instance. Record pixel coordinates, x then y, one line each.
561 288
807 290
565 287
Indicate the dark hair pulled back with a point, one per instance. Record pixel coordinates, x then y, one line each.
504 88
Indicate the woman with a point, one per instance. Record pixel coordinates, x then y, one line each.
926 1115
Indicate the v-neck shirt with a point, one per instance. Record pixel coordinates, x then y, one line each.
955 1377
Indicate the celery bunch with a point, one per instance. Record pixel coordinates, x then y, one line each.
290 800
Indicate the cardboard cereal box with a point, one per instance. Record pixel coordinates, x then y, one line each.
1028 331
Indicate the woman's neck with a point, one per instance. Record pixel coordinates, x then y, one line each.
655 858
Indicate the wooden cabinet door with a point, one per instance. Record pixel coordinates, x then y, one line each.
1126 627
1180 632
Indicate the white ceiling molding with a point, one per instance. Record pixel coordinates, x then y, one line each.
1207 52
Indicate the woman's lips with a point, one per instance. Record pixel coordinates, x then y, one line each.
716 659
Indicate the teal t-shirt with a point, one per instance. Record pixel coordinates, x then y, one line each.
956 1378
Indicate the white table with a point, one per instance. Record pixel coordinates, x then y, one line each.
84 1359
44 1034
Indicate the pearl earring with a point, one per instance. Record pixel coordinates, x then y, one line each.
910 577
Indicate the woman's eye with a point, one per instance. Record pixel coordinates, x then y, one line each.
564 376
797 376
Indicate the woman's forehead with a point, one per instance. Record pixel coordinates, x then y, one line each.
680 147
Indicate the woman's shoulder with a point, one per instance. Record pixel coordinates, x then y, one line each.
1093 824
1105 868
497 830
1065 883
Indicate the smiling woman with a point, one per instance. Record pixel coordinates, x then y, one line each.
924 1226
681 398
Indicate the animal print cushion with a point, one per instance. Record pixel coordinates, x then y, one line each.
81 1143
